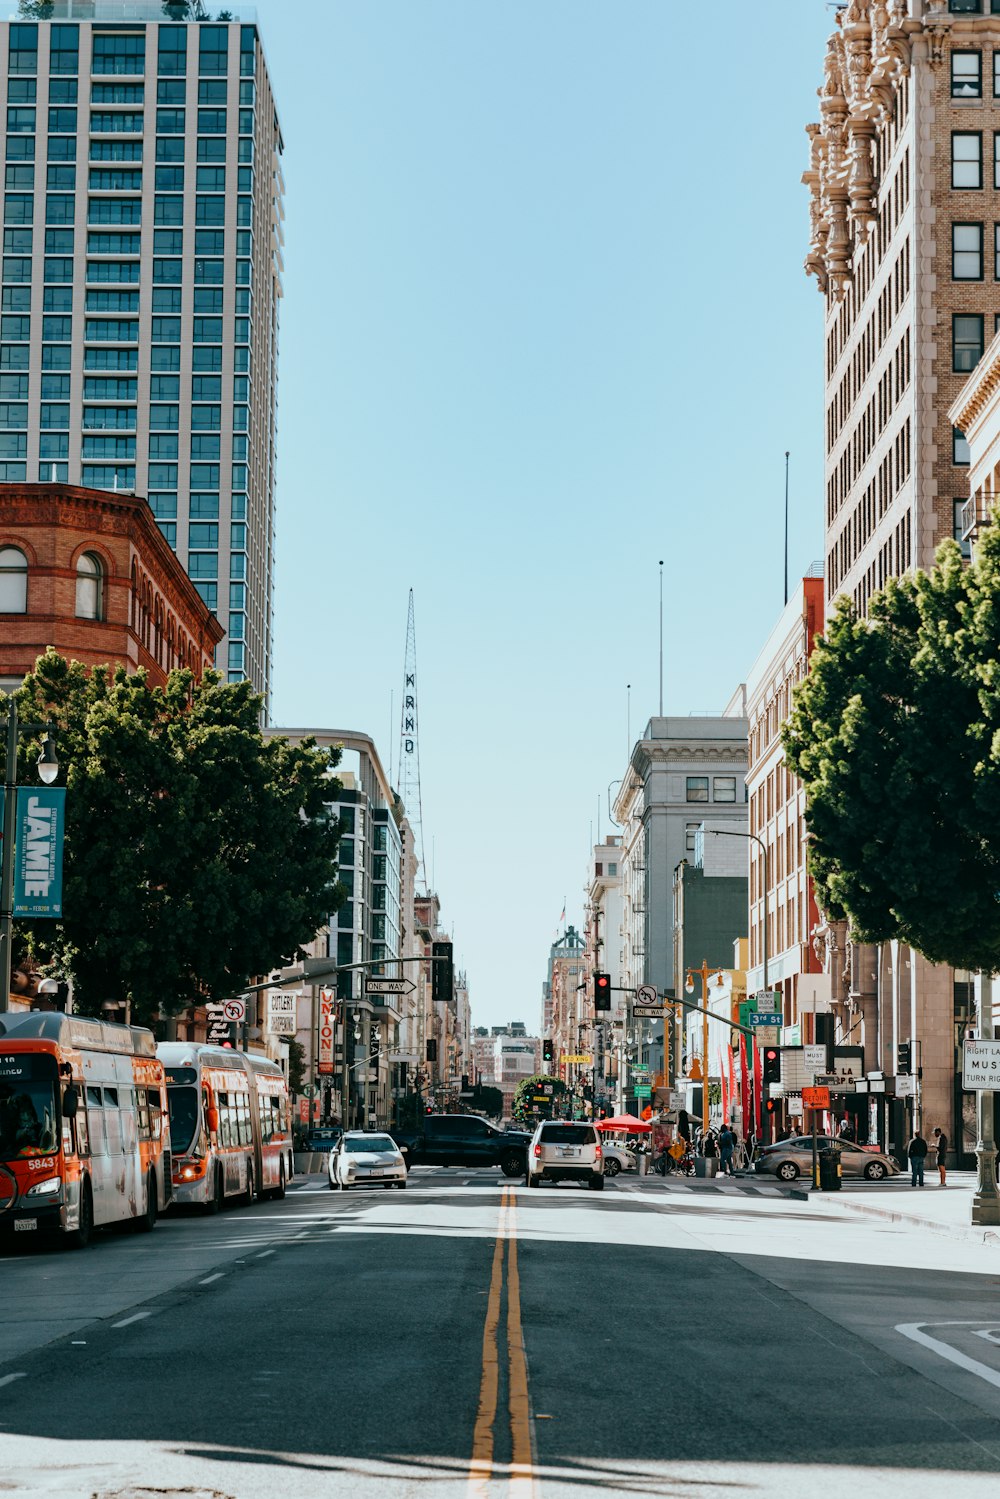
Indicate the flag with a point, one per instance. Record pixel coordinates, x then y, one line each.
563 916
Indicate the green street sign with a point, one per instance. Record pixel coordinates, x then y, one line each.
643 1090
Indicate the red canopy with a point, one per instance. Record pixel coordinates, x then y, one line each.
627 1122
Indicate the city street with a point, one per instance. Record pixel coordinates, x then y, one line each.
471 1338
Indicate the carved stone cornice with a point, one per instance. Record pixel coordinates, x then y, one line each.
978 390
866 59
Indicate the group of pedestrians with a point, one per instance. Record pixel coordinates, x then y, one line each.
721 1145
916 1153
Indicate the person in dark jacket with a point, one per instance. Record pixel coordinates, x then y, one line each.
917 1153
941 1141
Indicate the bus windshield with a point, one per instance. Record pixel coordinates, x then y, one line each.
27 1118
183 1106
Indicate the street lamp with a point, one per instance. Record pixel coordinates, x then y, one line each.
48 769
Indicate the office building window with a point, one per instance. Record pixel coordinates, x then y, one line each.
723 788
966 75
697 789
966 159
23 41
690 834
967 336
119 53
90 587
64 50
967 252
13 581
959 447
213 49
957 528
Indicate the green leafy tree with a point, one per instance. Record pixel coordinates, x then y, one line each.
197 853
895 734
296 1064
524 1095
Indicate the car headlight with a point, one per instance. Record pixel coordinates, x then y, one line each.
47 1188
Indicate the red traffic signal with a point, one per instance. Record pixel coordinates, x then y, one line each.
771 1070
602 991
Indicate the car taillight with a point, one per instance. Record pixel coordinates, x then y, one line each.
538 1150
598 1152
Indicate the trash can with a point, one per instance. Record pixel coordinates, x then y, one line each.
706 1165
642 1163
829 1171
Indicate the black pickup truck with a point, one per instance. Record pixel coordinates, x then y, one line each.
463 1140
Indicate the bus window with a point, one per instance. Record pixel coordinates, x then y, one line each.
95 1122
27 1117
183 1106
246 1132
79 1123
111 1098
154 1111
142 1113
225 1131
112 1122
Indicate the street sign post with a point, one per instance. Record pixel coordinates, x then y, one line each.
235 1009
981 1066
649 1012
377 985
646 994
814 1059
816 1098
766 1027
643 1090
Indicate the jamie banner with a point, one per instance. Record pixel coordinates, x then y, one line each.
38 851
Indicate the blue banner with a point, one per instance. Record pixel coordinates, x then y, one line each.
38 850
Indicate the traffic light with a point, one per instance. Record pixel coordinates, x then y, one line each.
442 981
771 1066
602 991
547 1050
904 1057
771 1106
432 1050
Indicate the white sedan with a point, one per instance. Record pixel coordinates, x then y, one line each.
361 1157
616 1158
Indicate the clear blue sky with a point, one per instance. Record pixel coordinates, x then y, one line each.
545 322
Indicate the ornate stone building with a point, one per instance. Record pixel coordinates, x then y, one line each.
904 178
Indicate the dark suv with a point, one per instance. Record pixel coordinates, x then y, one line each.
463 1140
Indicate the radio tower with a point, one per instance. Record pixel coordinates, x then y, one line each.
409 749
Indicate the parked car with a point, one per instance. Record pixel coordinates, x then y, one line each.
463 1140
321 1138
789 1159
617 1158
360 1157
565 1151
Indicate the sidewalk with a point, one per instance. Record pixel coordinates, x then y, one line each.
944 1210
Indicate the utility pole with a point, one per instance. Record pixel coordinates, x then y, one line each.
704 973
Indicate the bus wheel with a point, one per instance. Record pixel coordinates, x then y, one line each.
146 1221
81 1235
279 1190
214 1205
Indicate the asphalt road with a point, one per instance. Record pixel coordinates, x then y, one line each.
470 1338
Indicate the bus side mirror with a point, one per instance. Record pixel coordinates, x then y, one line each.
70 1103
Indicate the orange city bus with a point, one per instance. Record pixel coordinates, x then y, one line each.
230 1129
83 1137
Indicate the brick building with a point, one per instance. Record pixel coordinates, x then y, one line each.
89 572
904 179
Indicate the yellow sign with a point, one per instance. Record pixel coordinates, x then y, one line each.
584 1061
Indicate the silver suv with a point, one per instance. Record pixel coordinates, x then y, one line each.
563 1151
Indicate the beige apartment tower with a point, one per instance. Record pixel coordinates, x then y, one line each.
904 178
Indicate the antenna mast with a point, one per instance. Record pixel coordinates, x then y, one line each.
408 768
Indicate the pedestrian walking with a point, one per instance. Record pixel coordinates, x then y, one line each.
726 1144
708 1146
917 1153
941 1141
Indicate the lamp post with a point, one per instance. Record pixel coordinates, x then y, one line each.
48 769
704 973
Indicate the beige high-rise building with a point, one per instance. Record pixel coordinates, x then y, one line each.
905 246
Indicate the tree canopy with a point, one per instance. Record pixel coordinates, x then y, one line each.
197 853
895 734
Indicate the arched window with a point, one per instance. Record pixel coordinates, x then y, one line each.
89 587
13 581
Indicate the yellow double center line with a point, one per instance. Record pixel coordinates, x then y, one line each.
521 1482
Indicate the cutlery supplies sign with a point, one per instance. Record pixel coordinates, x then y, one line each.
39 823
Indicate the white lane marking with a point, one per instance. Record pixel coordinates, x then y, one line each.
10 1378
219 1274
264 1254
914 1331
991 1334
135 1317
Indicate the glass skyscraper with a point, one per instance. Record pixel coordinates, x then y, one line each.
142 241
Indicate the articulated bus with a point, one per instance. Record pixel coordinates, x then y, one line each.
83 1137
230 1128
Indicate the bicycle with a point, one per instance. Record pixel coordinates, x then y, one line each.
668 1165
